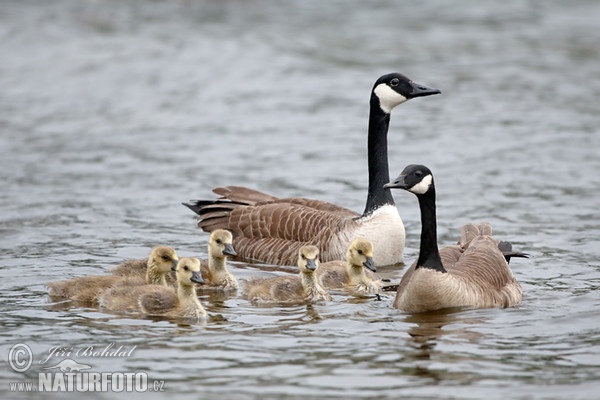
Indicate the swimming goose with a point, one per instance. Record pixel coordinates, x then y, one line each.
350 275
290 289
183 303
214 271
272 230
87 289
473 273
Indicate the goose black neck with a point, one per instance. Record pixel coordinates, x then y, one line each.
379 174
429 254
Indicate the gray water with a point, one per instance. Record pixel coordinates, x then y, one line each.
114 112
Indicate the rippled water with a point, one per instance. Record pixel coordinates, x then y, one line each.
112 113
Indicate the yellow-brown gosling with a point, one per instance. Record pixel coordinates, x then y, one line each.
87 289
352 275
302 288
183 303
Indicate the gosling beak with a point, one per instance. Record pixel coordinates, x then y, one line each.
196 277
229 251
370 264
421 91
311 264
174 266
398 183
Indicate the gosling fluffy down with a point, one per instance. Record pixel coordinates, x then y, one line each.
87 289
355 275
303 288
183 303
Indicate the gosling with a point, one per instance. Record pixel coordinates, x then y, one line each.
87 289
183 303
351 275
303 288
214 271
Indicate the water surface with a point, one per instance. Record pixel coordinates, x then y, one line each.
112 113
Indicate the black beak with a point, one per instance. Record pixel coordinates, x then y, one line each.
174 267
398 183
311 264
421 91
370 264
229 251
196 277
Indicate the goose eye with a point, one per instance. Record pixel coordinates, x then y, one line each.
186 268
419 173
218 241
360 252
166 258
394 82
303 257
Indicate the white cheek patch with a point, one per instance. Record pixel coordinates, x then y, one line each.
388 98
423 186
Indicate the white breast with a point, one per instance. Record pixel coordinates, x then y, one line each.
384 228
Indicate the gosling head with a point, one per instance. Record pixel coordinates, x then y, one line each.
164 258
308 259
417 179
393 89
220 243
188 271
360 254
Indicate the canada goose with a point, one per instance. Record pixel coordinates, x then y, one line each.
214 271
350 275
183 303
290 289
87 289
271 230
473 273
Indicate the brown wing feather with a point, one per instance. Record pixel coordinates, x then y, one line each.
269 229
332 275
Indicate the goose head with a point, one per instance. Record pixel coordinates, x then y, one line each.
163 258
360 254
220 243
393 89
188 271
308 259
416 179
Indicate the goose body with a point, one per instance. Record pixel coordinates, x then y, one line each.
88 289
474 273
272 230
183 303
303 288
351 275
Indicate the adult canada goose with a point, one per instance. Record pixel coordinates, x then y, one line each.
473 273
87 289
272 230
183 303
214 270
302 288
351 275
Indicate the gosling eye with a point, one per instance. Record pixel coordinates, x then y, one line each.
360 251
303 257
186 268
166 258
394 82
218 241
